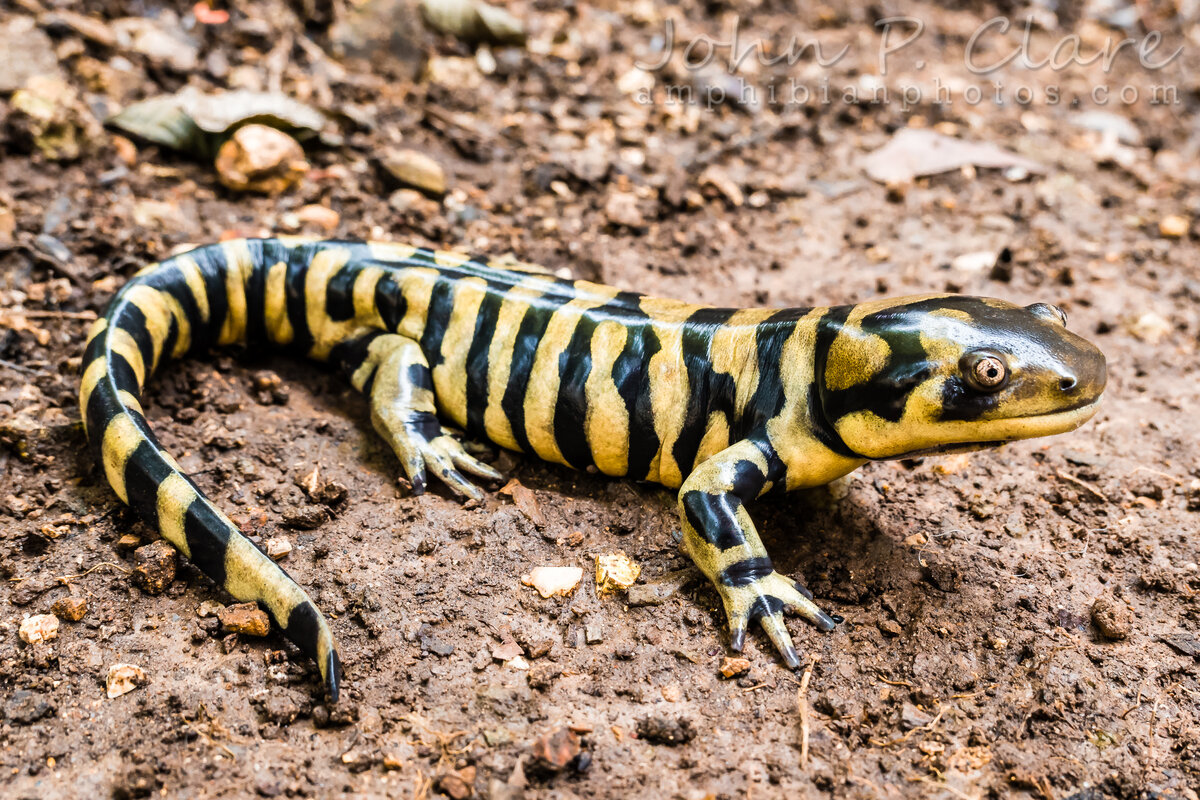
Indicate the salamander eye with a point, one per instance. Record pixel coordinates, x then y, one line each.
1049 312
984 371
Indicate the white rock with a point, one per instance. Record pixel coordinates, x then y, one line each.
550 581
123 679
39 628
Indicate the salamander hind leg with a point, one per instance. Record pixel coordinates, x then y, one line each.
404 412
720 538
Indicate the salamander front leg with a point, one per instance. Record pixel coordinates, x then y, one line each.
404 412
720 538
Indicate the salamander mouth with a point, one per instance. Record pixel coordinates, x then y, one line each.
1048 424
944 450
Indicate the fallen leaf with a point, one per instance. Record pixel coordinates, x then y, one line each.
914 152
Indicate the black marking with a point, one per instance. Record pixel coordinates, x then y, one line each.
420 376
207 538
122 374
213 268
437 320
746 571
296 302
390 302
303 628
770 335
570 408
885 393
256 287
103 406
529 336
714 518
709 391
423 425
349 355
630 375
477 364
766 605
132 320
339 293
961 402
819 417
145 470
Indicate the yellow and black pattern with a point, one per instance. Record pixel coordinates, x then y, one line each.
723 404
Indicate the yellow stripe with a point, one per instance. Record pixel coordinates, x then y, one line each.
325 332
130 402
500 353
391 251
175 496
279 327
121 438
607 423
450 376
195 283
121 342
238 266
158 316
250 575
416 285
91 376
450 260
366 312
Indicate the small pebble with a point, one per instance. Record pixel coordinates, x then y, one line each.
123 679
615 572
733 667
1173 227
245 618
156 565
417 170
278 548
39 628
1111 618
72 609
550 581
258 158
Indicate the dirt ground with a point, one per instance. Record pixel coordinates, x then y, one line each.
1020 622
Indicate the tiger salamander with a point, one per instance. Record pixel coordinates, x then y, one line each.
722 404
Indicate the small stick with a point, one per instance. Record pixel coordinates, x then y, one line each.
1083 485
802 701
1150 748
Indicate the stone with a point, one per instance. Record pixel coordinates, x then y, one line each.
38 628
733 667
417 170
155 568
261 159
1112 618
615 572
245 618
666 731
72 609
123 679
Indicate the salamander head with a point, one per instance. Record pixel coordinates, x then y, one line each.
923 375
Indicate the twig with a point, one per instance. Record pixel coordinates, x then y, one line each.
1136 705
1082 484
923 728
894 683
1169 477
802 702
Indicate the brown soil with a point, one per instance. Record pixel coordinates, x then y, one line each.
970 663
